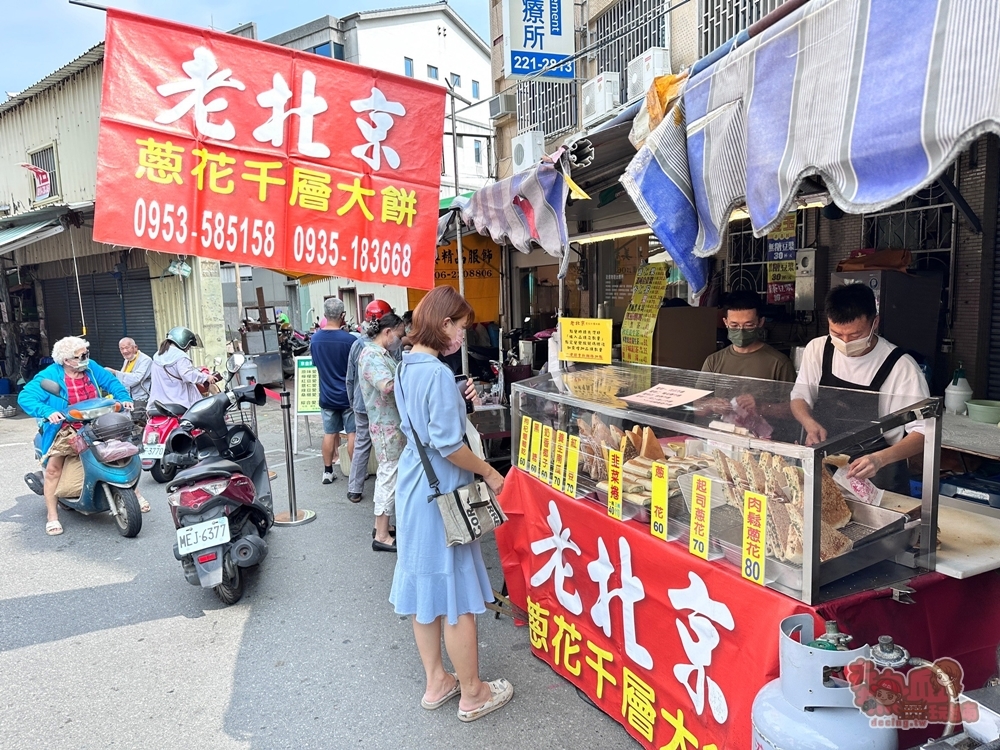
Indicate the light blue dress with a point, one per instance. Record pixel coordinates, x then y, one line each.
432 579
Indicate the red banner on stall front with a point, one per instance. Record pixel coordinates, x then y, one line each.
673 647
236 150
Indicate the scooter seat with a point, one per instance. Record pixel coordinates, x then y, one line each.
213 467
158 409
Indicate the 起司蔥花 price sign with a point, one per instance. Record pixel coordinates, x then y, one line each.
231 149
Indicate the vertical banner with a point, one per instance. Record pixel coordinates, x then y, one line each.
572 465
545 473
524 443
658 503
236 150
640 317
559 462
615 484
781 262
535 461
754 520
701 516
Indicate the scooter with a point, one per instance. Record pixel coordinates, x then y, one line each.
110 463
292 344
161 420
221 504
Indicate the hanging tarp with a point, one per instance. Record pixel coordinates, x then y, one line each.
876 97
527 211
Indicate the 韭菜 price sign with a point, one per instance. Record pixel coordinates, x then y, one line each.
231 149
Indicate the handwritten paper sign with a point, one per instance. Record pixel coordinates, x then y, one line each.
585 340
663 396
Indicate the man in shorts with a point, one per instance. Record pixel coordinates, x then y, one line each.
330 349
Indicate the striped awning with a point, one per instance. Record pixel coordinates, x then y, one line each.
19 235
527 211
874 97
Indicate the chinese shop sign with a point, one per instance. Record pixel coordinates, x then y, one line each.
640 317
781 262
656 637
585 340
306 386
481 269
539 34
236 150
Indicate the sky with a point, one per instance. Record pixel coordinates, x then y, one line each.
37 37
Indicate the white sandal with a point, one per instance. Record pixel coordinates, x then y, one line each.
502 692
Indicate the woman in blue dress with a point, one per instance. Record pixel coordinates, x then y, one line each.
442 588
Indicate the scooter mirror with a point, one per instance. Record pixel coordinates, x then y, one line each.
259 395
235 362
50 386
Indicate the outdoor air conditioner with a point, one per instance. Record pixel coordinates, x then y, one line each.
527 149
600 97
502 105
642 70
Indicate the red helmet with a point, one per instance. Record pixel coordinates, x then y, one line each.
376 310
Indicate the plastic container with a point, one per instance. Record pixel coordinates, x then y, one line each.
957 393
982 410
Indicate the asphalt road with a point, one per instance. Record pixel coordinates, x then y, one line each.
103 644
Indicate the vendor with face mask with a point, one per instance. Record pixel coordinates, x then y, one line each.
854 356
748 356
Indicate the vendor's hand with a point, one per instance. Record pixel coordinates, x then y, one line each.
746 402
495 481
815 433
56 417
471 394
712 406
866 466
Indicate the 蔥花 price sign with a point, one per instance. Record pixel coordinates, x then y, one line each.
236 150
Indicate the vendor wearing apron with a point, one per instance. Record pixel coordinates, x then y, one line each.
855 357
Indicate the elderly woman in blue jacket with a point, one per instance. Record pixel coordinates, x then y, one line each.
79 378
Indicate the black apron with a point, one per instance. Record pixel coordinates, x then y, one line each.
830 408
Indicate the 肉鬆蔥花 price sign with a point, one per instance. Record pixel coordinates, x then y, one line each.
231 149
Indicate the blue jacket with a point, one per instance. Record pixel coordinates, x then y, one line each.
39 403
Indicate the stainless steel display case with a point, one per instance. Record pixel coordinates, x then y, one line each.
889 547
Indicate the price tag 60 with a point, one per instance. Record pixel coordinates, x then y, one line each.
658 504
524 444
534 462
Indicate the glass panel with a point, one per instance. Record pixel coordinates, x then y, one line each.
432 72
322 49
456 80
408 66
338 51
475 89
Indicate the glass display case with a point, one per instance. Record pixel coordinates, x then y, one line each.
745 483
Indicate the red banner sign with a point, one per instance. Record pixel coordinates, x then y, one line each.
673 647
232 149
42 182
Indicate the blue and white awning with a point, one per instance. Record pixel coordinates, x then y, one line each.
876 97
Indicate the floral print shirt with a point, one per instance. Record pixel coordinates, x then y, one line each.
376 374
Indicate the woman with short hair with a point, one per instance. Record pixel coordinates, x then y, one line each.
79 378
443 588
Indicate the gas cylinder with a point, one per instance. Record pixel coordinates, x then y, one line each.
803 708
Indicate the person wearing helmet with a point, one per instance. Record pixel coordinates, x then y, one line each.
174 378
362 440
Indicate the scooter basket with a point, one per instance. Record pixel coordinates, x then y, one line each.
112 427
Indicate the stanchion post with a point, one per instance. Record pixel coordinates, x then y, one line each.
294 516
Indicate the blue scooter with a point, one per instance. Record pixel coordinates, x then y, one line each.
111 465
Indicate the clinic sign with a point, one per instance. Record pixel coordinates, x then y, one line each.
236 150
539 34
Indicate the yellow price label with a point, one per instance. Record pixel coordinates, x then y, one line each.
701 516
545 470
524 444
658 505
754 526
534 462
559 460
615 484
572 464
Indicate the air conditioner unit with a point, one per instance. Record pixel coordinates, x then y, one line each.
642 70
600 97
502 105
527 149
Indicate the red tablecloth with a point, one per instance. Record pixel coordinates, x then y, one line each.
667 643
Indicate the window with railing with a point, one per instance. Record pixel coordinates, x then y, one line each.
549 106
746 259
46 159
630 28
721 20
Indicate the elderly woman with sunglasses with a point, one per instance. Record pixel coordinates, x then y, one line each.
79 378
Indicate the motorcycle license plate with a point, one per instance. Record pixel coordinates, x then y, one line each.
203 535
154 450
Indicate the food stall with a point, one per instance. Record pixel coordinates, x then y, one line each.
657 539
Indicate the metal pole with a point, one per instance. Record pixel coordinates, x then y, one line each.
458 220
294 516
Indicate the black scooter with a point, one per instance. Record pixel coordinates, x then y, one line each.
221 504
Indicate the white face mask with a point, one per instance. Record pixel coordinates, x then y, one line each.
852 348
